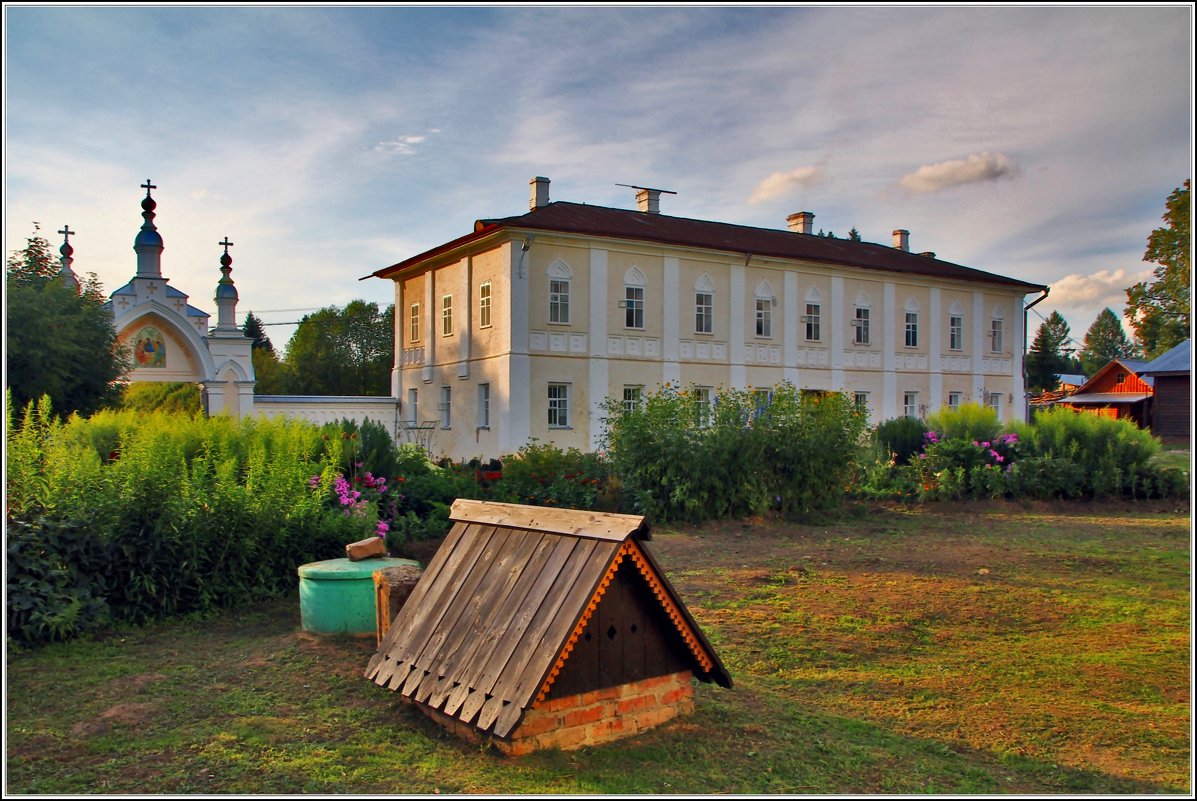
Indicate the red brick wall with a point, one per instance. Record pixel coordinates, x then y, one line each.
590 718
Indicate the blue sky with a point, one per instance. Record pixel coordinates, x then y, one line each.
328 142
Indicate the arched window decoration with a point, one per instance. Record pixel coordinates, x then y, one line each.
812 320
704 305
956 326
861 334
763 300
912 322
560 278
633 298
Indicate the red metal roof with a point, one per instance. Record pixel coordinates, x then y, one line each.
601 221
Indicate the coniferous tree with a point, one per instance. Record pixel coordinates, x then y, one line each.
1104 341
1159 310
854 235
253 328
1046 361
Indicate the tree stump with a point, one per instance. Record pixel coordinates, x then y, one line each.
392 586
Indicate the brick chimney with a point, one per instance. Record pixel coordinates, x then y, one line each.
902 239
648 200
802 223
540 193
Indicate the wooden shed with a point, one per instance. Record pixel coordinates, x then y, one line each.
1172 409
1117 390
535 627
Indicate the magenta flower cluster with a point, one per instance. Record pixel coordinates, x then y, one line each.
350 498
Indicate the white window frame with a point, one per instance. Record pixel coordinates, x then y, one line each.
559 300
702 402
764 318
446 406
860 325
955 399
413 405
994 401
704 312
813 320
955 332
558 397
484 304
446 315
633 301
996 335
484 405
414 317
910 404
861 400
633 397
912 329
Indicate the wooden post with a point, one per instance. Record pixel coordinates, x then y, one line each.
392 586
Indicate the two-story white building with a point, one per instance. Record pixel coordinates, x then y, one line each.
523 327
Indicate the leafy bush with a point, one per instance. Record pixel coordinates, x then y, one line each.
165 396
545 475
902 438
675 459
971 421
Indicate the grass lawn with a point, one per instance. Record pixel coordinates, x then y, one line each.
964 648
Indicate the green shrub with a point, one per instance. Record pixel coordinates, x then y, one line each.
971 421
902 438
165 396
545 475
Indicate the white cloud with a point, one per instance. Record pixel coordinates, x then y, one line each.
1080 298
781 182
975 169
403 145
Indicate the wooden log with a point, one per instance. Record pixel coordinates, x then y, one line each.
366 549
392 587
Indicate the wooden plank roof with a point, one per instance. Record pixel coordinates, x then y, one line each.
498 609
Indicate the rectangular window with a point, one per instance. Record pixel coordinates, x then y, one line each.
447 316
702 405
558 301
955 333
995 336
484 405
764 317
861 326
484 305
415 323
704 315
954 400
446 406
558 405
813 320
633 307
631 398
413 406
910 404
861 401
994 401
912 329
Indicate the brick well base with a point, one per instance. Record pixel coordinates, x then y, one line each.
589 718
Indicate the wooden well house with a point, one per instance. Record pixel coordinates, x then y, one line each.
536 628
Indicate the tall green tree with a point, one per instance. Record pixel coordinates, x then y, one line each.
1159 310
61 341
1104 341
1046 360
346 351
255 330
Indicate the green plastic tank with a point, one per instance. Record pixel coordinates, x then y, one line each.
336 596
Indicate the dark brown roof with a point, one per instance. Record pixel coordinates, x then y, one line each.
495 615
601 221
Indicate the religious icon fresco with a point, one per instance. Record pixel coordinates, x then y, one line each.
149 348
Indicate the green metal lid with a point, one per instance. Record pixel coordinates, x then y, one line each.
335 569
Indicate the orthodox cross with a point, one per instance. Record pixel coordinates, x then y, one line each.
147 186
227 244
66 232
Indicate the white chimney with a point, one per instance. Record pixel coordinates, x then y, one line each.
540 193
648 200
902 239
802 223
